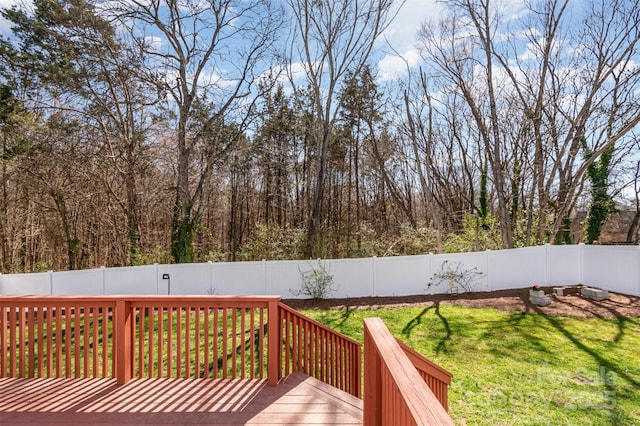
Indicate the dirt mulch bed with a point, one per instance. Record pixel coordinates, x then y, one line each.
571 304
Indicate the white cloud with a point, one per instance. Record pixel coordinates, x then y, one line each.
5 26
393 66
401 34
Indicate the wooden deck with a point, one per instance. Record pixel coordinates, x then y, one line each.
297 399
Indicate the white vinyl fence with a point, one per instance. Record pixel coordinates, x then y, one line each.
614 268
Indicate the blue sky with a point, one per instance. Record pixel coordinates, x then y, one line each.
400 35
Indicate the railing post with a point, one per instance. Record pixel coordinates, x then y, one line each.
4 323
123 348
358 374
274 354
372 384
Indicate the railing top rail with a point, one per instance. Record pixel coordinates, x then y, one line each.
425 364
317 324
418 397
166 299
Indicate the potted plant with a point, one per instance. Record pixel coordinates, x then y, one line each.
536 290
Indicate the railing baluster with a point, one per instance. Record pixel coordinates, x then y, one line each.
243 360
179 342
197 343
187 343
139 316
31 341
86 348
23 347
252 343
206 343
161 316
94 335
234 342
169 341
288 343
224 343
261 343
151 316
4 324
67 340
215 343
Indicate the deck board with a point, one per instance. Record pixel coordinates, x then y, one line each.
298 399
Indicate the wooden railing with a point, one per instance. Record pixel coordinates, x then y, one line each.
139 336
394 390
170 336
56 337
437 378
320 352
215 337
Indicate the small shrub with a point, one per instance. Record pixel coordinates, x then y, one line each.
317 282
456 277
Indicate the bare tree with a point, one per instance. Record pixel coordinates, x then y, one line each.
206 56
330 39
535 89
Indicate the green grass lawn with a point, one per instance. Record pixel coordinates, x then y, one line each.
515 368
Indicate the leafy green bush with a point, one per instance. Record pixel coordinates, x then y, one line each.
273 243
475 235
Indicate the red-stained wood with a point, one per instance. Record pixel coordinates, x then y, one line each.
437 378
164 336
395 393
319 351
73 327
297 399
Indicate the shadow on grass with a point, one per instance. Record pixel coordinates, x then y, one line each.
616 417
417 320
594 354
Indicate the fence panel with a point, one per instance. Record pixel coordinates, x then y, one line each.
282 277
564 264
38 283
131 280
517 268
87 282
462 262
612 268
185 279
352 277
401 276
238 278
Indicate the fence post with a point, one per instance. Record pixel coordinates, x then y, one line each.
373 276
264 276
581 249
546 264
155 268
274 354
123 335
489 280
104 284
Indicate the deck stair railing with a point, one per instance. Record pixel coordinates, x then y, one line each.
394 391
319 351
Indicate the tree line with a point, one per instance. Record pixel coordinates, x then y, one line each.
175 131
